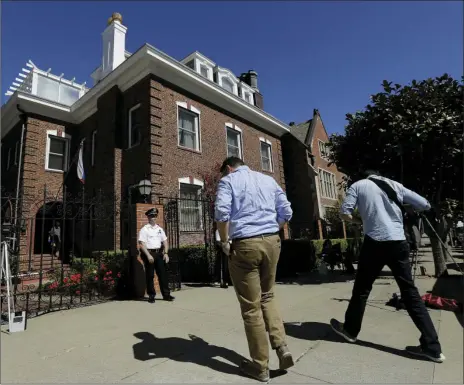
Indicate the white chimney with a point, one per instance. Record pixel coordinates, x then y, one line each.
114 44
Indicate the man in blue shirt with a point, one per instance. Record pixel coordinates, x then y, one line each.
385 244
250 210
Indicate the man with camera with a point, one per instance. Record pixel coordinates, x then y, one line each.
380 203
154 251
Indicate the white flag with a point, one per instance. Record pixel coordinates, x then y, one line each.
80 163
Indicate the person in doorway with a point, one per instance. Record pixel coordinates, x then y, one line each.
54 238
252 208
154 250
378 201
222 264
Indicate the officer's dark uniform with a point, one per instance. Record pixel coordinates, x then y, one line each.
153 237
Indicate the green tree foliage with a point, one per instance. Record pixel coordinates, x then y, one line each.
413 134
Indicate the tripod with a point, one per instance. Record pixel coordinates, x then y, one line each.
441 242
16 320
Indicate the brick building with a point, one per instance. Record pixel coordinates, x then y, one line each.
148 116
312 184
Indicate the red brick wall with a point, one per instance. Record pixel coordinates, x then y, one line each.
35 177
157 156
169 162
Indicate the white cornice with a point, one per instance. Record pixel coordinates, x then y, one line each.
199 56
147 60
226 72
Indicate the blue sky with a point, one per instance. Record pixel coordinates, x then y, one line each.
325 55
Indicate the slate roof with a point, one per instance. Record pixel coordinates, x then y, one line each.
300 131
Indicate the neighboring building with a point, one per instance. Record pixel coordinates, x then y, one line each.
148 116
312 185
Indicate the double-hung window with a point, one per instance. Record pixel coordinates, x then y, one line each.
188 127
266 155
57 153
234 142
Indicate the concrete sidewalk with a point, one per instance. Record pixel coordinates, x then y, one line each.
200 338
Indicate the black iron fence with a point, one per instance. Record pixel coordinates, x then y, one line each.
65 249
190 230
68 250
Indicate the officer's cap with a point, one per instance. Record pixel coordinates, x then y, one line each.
153 212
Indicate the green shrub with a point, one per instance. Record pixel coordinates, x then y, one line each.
196 262
351 246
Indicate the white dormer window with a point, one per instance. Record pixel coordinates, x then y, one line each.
227 80
204 71
227 85
200 64
246 93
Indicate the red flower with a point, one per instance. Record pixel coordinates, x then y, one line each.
65 280
78 292
119 275
96 278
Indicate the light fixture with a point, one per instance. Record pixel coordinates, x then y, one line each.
144 187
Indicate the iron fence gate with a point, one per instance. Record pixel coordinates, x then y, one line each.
67 250
189 226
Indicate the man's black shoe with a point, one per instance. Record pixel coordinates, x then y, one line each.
169 298
224 285
151 299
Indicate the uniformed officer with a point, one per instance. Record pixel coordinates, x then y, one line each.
154 246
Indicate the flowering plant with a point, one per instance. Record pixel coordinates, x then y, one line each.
89 276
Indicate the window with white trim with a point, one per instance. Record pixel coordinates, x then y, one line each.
16 154
190 207
57 153
94 144
135 121
234 142
8 159
266 155
227 85
327 184
324 151
188 128
204 71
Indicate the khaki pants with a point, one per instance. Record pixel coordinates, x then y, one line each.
253 266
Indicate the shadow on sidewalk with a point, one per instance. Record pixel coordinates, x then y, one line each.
451 287
195 350
318 331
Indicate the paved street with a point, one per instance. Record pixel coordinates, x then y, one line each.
200 338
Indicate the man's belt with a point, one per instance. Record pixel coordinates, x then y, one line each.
255 236
154 250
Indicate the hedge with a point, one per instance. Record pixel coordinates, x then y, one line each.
351 246
196 263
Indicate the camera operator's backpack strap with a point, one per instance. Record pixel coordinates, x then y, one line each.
387 189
